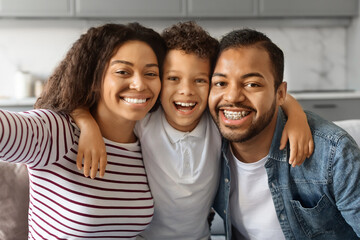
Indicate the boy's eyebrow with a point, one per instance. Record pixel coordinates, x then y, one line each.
131 64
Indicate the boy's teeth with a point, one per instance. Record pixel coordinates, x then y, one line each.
232 115
135 100
183 104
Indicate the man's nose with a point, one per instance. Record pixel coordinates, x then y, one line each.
234 94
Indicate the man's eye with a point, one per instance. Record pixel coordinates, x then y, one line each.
219 84
251 85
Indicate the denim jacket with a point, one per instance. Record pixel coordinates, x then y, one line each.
319 199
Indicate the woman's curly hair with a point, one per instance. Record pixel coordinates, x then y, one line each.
192 39
76 82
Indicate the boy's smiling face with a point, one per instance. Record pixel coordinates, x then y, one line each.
185 89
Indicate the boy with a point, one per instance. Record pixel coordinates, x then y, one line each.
180 143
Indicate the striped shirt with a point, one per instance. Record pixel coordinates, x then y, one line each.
63 203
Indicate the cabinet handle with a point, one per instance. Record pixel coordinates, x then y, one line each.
329 105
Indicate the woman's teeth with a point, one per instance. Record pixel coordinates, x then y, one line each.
232 115
135 100
183 104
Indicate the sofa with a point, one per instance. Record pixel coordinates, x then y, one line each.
14 193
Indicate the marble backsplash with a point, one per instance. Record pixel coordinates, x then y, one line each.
315 57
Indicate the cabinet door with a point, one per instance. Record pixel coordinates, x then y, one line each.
224 8
36 8
130 8
304 8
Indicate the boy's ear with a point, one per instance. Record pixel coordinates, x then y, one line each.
281 93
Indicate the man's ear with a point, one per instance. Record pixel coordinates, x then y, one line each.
281 93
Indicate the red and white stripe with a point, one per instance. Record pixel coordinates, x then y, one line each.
63 203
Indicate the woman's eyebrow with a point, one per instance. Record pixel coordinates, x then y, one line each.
121 61
131 64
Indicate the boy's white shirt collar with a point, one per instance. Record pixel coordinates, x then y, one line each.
176 135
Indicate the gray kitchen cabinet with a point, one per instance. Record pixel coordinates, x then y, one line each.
224 8
308 8
36 8
130 8
333 109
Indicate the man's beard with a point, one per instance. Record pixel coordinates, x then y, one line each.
256 127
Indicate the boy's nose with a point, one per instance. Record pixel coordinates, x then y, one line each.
186 88
137 83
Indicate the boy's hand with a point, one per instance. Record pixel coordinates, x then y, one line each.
91 147
92 151
298 132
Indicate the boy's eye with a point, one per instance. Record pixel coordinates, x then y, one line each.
172 78
200 80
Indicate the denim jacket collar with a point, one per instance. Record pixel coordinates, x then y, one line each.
275 153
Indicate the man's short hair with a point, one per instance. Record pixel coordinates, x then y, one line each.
251 38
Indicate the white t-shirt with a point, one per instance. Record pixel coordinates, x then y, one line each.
183 174
252 209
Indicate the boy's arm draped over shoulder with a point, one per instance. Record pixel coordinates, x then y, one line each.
297 131
91 143
36 138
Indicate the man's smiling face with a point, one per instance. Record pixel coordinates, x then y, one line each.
243 100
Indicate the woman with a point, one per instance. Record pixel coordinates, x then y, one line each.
114 71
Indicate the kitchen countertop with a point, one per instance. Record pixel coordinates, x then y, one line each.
330 94
12 102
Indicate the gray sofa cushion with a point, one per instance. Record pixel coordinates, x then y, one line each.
14 200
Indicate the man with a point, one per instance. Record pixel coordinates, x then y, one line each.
266 198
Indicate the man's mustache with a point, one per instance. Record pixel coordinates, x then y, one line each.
235 105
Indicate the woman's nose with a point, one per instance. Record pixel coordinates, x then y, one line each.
137 83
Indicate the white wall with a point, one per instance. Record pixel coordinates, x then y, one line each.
315 51
353 53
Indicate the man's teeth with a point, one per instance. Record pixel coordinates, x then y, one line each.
183 104
135 100
235 115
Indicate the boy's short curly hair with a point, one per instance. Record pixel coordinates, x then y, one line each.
192 39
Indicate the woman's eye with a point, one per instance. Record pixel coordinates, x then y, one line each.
152 74
122 72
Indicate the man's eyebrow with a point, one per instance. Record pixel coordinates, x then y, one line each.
219 75
131 64
252 74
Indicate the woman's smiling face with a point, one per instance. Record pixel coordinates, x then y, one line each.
131 83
